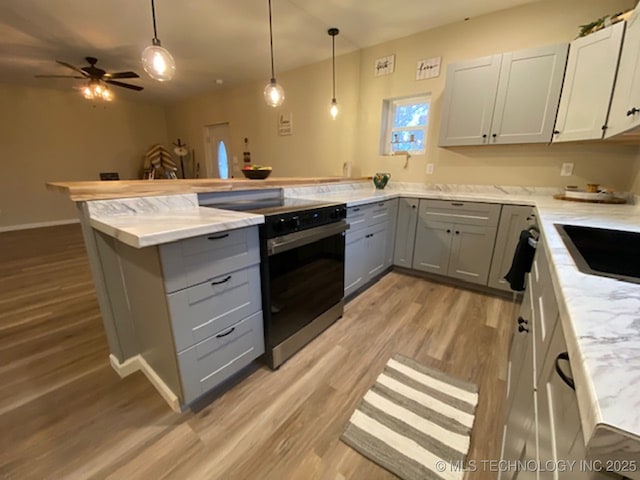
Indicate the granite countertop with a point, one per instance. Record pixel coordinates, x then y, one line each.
600 316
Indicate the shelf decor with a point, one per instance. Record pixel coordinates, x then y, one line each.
384 65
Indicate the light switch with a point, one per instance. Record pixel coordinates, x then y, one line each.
567 170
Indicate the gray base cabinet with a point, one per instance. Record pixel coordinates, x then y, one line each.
405 232
456 239
513 219
368 243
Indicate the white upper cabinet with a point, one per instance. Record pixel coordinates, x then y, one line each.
528 95
469 98
502 99
625 106
588 83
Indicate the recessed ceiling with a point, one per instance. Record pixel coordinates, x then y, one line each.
225 39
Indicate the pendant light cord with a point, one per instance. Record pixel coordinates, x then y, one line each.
333 57
273 74
153 15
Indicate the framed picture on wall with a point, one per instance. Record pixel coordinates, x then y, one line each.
285 124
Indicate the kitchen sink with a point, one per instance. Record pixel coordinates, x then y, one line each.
604 252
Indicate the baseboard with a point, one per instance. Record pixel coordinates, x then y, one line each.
138 362
27 226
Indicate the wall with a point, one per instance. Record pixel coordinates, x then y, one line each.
319 146
48 135
635 176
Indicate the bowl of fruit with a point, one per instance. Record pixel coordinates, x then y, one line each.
256 172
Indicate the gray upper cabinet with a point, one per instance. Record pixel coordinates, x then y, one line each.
503 99
588 83
513 220
469 98
405 232
625 105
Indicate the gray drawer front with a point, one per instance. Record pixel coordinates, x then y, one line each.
202 310
196 260
212 361
380 212
357 217
464 213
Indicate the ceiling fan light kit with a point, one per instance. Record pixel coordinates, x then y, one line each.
334 110
95 91
156 60
273 93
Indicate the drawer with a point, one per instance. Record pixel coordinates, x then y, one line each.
464 213
200 311
215 359
196 260
380 212
358 216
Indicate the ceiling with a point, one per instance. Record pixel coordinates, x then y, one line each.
210 40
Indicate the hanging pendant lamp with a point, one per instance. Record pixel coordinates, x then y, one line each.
273 93
156 60
334 103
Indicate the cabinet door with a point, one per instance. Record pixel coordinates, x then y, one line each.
374 248
625 106
354 272
390 233
588 84
471 251
528 95
469 98
405 232
513 220
433 245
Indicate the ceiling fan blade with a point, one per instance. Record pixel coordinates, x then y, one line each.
125 85
122 75
68 65
59 76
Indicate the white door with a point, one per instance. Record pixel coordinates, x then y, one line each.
217 151
588 83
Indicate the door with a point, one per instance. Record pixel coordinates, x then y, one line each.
471 251
433 244
390 233
375 239
588 84
354 254
405 232
217 153
528 95
625 106
469 98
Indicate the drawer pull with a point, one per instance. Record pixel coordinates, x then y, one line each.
522 328
381 204
224 280
565 378
457 204
522 321
218 237
220 335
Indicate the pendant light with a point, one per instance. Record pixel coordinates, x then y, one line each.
334 103
156 60
273 93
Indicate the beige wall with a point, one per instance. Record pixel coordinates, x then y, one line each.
48 135
319 145
635 176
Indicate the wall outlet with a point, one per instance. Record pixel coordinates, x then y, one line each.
567 170
429 168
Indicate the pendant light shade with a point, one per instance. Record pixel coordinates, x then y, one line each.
156 60
273 93
334 110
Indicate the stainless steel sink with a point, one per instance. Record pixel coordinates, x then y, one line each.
604 252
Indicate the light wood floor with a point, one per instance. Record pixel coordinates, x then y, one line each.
64 413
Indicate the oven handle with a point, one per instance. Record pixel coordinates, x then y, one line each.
305 237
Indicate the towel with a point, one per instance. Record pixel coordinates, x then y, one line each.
522 260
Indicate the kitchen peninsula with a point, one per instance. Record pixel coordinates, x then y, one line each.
599 316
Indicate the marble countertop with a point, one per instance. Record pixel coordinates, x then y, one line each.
600 316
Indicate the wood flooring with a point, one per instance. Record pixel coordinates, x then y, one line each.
64 413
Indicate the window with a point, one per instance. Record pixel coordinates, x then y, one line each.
404 125
223 162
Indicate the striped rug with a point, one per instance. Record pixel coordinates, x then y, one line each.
415 421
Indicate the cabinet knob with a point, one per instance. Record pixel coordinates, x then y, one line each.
522 321
522 328
633 111
494 135
484 135
448 230
565 378
413 206
556 132
457 232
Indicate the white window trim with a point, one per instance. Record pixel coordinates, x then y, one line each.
388 114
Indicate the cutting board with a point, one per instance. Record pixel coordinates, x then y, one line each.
611 200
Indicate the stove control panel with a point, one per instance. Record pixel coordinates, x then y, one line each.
285 223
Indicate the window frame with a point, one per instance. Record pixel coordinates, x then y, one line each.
389 107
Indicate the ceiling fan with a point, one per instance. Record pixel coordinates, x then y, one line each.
95 76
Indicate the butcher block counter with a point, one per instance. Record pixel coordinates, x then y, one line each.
104 190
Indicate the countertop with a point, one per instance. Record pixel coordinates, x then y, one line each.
600 316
